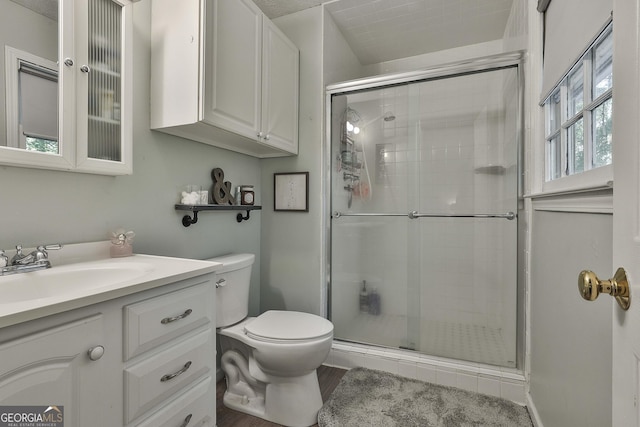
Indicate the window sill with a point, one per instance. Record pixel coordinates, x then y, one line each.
596 179
593 202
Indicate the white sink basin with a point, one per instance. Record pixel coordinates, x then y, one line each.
69 279
83 274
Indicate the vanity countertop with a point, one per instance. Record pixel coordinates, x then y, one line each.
71 285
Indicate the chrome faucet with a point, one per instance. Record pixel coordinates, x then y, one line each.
21 259
22 263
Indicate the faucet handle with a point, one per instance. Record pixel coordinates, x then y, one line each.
19 257
40 254
55 246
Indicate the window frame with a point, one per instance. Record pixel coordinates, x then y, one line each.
591 176
45 73
11 155
16 60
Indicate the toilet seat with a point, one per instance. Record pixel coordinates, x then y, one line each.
288 326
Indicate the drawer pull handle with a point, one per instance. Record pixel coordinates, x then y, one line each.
186 420
174 318
175 374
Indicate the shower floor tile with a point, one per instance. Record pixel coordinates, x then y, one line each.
469 342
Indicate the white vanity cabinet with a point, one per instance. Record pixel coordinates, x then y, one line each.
145 359
53 367
223 74
173 337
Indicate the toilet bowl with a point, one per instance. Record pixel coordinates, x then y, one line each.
269 361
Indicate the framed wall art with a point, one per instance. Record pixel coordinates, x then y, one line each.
291 192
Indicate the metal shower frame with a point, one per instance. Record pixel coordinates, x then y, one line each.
450 70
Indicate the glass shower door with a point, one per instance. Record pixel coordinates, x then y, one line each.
467 143
423 241
369 275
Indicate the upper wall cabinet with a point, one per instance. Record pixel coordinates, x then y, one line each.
104 94
223 74
68 85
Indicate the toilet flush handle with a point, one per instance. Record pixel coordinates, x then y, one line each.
221 283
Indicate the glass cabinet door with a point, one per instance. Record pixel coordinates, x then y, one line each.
103 95
105 100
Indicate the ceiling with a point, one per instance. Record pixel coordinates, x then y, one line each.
384 30
48 8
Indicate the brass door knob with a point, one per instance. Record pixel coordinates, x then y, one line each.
590 287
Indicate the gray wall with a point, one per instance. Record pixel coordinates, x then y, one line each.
339 62
41 206
570 337
291 241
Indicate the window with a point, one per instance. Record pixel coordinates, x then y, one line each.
37 103
579 114
31 84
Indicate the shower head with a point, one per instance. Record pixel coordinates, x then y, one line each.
389 116
352 115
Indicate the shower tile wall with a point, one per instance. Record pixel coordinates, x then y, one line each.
449 291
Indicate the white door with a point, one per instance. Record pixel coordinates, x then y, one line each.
626 210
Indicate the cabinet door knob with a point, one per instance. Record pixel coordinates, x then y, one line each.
267 136
95 353
85 69
259 135
68 62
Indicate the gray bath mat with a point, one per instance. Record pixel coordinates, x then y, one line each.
366 397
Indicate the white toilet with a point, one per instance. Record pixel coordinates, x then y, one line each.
269 361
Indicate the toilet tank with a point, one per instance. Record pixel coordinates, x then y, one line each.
232 288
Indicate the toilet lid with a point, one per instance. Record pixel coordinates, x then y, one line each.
288 325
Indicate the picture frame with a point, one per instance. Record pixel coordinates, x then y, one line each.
291 192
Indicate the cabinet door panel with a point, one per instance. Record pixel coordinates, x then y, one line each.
52 368
103 89
280 90
233 53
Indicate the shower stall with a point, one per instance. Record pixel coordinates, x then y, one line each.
424 196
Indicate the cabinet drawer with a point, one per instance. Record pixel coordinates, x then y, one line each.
155 321
156 378
193 408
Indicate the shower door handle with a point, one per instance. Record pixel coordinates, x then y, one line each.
590 286
415 214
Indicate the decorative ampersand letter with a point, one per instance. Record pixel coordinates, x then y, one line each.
221 190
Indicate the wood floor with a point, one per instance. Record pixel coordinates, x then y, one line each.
328 378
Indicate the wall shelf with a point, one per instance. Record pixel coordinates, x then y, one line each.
187 220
